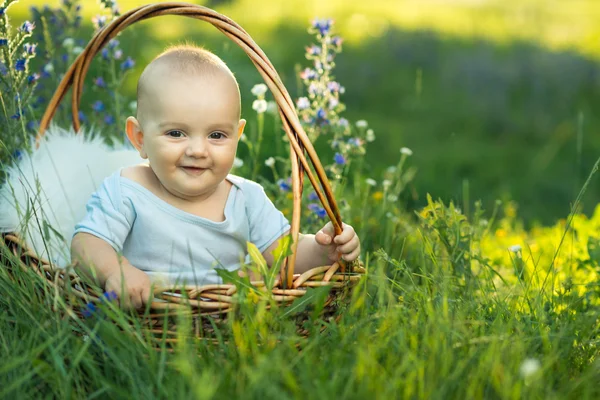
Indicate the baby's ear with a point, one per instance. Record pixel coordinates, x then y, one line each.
135 135
241 126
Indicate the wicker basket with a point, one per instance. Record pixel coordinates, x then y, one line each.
208 300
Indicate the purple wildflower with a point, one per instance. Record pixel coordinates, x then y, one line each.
21 64
313 196
336 41
104 53
30 48
333 87
339 159
82 117
127 64
118 54
308 74
109 119
313 50
323 25
113 43
99 21
27 27
98 106
343 122
99 81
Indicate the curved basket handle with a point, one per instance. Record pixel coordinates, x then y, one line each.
299 142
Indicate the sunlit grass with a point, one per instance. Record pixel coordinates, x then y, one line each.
556 24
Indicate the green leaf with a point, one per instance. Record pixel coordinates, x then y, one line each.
312 296
257 258
233 278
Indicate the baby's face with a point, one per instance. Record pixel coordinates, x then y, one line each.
190 133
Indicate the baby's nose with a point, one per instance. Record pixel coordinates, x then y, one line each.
196 147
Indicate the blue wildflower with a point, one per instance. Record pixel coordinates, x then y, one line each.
16 116
21 64
2 10
317 209
82 117
32 125
113 43
98 106
127 64
99 81
110 296
30 48
313 196
3 42
104 53
321 114
31 79
89 310
27 27
333 87
3 69
355 141
64 57
336 41
18 154
322 25
283 185
109 119
308 74
99 21
313 50
339 159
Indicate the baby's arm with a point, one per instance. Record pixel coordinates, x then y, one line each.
99 261
321 249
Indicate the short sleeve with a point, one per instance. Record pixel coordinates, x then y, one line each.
108 216
267 223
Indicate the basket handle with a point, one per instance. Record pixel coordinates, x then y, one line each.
299 142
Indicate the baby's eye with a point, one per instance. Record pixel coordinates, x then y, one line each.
175 134
217 135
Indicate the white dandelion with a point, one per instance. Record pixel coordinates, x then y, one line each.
260 106
406 151
259 89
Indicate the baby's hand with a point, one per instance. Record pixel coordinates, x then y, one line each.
132 286
347 243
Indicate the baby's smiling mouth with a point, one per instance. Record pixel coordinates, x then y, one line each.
192 169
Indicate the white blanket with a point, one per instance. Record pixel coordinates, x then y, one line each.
46 192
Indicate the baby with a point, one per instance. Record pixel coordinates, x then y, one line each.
177 218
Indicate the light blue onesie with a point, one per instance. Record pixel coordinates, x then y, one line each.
174 246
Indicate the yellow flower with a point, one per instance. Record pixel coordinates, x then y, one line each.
377 196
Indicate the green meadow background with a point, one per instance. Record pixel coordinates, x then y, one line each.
498 99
